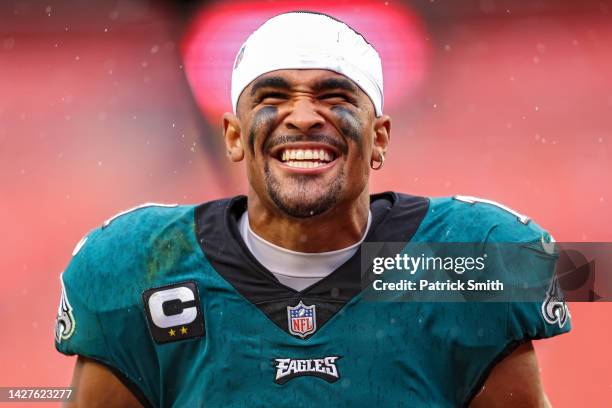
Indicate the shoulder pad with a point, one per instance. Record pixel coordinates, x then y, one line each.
117 261
473 219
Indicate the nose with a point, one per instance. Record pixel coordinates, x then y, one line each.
304 117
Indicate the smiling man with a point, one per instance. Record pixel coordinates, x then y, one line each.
257 300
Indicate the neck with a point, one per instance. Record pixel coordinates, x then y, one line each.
338 228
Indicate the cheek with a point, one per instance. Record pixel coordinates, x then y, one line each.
264 122
354 127
349 123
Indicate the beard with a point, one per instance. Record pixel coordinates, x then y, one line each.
304 198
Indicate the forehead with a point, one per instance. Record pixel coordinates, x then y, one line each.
303 80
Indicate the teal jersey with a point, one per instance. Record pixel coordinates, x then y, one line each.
171 300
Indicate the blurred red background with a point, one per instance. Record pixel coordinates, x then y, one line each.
488 98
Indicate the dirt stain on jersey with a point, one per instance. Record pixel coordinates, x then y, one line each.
169 250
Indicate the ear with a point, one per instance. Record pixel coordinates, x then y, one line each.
232 133
382 136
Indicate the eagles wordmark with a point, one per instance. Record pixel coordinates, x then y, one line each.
289 368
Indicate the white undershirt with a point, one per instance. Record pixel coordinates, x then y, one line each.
298 270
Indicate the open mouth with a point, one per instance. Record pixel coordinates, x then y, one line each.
305 158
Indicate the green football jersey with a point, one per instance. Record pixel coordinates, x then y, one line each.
171 299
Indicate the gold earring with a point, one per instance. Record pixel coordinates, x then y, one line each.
382 162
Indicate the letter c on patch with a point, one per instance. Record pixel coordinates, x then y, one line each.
156 307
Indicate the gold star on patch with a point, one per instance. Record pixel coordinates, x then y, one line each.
171 332
183 330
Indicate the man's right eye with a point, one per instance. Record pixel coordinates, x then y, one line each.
272 98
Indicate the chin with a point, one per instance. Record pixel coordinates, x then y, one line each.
301 204
303 196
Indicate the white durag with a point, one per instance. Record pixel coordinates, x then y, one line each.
308 40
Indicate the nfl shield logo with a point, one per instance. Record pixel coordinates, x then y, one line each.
302 319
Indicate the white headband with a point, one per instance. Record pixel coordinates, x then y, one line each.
306 40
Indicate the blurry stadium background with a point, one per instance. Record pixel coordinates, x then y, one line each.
108 104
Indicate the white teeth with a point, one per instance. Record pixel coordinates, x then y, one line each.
304 164
290 155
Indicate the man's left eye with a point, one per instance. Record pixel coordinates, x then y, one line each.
334 97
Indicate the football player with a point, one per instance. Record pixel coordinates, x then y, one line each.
257 300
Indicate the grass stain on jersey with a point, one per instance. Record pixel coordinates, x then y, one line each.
168 248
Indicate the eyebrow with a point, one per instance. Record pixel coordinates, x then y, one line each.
270 82
335 83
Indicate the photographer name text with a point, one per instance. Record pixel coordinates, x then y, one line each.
407 264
